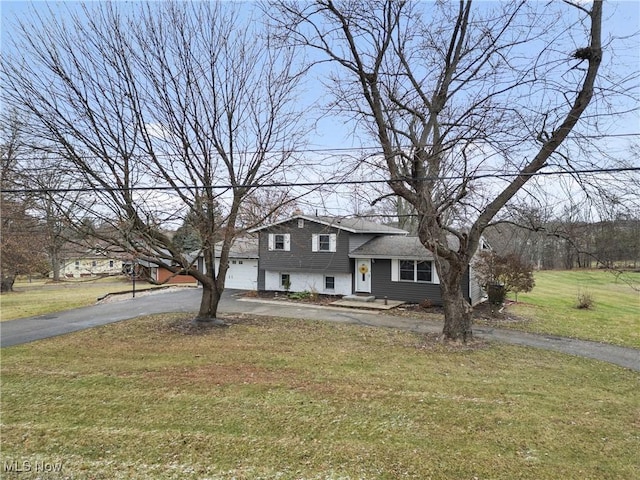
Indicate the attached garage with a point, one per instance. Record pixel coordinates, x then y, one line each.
243 264
242 273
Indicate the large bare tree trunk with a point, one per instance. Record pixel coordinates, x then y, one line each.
212 288
209 306
457 310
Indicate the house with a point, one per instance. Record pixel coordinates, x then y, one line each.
403 269
90 262
345 256
243 264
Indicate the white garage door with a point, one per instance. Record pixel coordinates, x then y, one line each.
242 274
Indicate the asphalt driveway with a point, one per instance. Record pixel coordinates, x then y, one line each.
26 330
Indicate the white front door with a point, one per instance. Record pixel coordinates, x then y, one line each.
363 275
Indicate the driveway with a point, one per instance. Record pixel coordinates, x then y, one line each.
25 330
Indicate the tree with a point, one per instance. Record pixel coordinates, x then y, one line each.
21 235
33 176
508 271
159 110
21 245
447 90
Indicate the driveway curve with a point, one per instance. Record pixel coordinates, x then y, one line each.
16 332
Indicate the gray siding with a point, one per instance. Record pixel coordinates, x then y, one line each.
356 241
382 286
300 258
476 292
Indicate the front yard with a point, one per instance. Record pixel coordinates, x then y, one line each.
286 399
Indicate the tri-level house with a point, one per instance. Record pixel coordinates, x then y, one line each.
345 256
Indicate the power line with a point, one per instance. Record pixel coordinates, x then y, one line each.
360 149
319 184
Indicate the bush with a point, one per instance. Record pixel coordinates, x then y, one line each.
496 293
585 301
426 304
300 295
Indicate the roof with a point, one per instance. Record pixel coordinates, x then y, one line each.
242 247
410 248
392 247
351 225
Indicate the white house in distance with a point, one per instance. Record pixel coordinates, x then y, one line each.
90 262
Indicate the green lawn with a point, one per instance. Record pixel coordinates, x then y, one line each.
551 306
42 296
285 399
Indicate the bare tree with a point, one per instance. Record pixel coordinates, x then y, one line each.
448 90
158 110
22 235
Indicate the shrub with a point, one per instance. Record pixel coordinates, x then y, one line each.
300 295
426 304
496 293
585 301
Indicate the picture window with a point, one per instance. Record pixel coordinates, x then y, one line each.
416 271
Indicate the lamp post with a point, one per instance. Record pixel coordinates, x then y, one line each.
133 277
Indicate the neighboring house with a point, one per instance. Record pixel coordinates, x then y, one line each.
349 256
90 263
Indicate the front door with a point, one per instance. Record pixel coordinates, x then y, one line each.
363 275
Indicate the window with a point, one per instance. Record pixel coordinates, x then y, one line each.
77 264
415 271
94 263
423 271
110 263
329 283
323 242
285 281
406 270
280 241
239 262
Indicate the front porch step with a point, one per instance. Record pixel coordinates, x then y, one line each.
359 298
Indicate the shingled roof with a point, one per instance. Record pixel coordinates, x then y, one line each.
352 225
397 247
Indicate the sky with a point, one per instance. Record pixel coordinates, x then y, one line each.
621 19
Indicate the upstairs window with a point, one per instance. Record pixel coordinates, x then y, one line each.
280 241
323 242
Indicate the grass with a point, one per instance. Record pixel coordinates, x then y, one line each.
40 297
285 399
551 307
